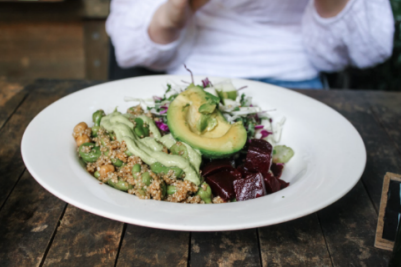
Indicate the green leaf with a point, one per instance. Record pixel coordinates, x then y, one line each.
212 98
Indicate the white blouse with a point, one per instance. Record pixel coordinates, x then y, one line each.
280 39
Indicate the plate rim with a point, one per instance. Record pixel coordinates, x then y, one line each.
183 227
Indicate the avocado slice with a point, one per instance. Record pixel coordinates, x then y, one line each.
207 108
211 133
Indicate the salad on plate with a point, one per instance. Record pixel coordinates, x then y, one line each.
194 144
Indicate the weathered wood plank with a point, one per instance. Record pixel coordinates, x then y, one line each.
27 223
42 94
30 215
84 239
153 247
387 110
390 119
391 100
42 50
96 50
349 226
98 9
295 243
11 95
63 11
239 248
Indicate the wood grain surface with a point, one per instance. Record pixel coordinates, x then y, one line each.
96 50
41 94
342 234
387 109
143 246
236 248
351 232
67 10
42 49
11 95
27 223
84 239
349 226
296 243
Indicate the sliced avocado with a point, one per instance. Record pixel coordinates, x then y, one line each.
206 123
207 108
211 123
211 133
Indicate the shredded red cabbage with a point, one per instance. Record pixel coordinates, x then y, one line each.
265 134
163 111
192 75
206 83
257 127
165 105
162 126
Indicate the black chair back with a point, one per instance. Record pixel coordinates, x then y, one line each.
116 72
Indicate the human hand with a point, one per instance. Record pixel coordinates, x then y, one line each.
171 17
176 13
330 8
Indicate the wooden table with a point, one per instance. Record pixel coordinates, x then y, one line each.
38 229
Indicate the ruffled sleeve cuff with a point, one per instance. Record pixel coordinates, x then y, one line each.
360 35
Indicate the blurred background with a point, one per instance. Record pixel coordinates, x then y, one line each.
59 39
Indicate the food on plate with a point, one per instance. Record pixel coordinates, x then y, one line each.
194 119
200 144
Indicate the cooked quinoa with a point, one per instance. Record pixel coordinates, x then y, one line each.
112 150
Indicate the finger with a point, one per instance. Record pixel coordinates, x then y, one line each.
197 4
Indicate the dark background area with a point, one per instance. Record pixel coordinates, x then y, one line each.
67 40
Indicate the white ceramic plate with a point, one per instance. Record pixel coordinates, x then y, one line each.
329 159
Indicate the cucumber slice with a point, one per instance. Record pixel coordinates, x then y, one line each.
282 154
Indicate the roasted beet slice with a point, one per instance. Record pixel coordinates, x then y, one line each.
259 156
283 184
249 188
216 166
277 169
272 183
221 184
236 173
260 145
243 171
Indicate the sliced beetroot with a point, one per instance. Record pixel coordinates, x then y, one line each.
260 145
236 173
272 183
243 171
259 156
216 166
249 188
277 169
221 184
283 184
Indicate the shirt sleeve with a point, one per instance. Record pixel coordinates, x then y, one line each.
360 35
127 26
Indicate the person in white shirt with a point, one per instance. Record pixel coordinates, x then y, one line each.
284 42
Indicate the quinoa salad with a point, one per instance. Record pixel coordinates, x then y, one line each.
196 144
